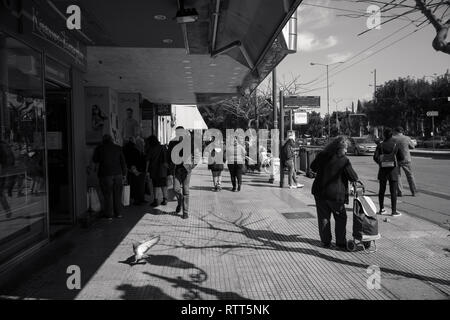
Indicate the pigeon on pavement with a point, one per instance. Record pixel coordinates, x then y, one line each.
140 249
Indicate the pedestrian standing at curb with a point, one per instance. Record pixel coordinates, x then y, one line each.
112 172
157 165
236 162
330 190
404 144
288 161
215 167
182 176
388 157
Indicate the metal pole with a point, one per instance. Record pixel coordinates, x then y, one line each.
274 98
290 119
432 126
281 137
375 86
275 119
328 104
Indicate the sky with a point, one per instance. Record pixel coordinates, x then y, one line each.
325 37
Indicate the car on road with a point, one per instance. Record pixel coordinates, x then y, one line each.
438 142
361 146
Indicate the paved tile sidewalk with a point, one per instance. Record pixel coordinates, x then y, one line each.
241 246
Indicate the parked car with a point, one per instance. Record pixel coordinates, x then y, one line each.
438 142
361 145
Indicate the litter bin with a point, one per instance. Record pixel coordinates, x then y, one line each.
311 155
302 159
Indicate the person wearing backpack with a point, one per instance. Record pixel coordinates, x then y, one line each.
388 157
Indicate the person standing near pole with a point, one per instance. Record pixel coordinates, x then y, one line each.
288 161
404 144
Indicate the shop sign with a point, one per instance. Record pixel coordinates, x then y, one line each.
70 46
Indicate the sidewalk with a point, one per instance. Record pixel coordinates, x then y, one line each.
261 243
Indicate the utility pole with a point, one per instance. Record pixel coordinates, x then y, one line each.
328 92
375 85
337 119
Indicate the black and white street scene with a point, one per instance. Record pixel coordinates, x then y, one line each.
224 150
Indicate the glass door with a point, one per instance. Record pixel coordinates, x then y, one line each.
58 105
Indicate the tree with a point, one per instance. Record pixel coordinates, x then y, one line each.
405 102
420 13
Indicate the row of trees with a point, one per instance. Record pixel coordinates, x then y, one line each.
406 101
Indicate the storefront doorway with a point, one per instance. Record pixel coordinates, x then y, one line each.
58 106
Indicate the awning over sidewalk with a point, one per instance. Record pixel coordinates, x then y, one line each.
138 46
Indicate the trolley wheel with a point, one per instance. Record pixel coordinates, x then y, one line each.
367 244
351 245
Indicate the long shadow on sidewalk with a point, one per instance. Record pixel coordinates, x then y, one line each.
268 240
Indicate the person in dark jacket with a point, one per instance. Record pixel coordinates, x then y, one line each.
288 162
215 166
136 171
236 163
112 171
157 168
182 175
388 147
330 190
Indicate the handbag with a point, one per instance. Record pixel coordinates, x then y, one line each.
126 195
388 160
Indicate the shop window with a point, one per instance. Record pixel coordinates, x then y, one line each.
23 196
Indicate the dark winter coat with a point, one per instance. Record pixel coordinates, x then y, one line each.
333 175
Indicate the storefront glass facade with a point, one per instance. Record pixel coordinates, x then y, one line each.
23 189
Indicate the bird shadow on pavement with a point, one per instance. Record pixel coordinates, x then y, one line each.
130 261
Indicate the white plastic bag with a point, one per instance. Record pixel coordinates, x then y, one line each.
126 195
94 204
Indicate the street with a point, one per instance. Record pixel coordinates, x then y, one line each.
432 181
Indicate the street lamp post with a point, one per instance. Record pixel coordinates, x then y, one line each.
328 92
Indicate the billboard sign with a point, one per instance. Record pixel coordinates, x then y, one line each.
302 101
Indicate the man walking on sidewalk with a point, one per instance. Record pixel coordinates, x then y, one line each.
182 175
404 144
112 171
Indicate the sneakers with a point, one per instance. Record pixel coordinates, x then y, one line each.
382 211
234 189
299 185
396 214
292 187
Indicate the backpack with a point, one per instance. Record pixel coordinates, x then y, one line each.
388 160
